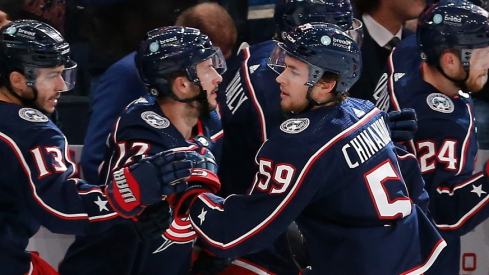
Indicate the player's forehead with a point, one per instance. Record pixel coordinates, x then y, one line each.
51 70
293 62
205 64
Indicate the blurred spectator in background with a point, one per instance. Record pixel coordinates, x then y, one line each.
3 19
383 25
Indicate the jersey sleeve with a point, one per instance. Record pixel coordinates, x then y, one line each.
59 201
409 167
458 197
226 226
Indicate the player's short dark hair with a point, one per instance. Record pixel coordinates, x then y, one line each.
329 77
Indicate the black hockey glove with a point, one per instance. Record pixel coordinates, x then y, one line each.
153 221
207 264
402 124
145 182
202 180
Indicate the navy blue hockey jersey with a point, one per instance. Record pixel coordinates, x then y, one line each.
250 109
335 172
446 147
143 130
39 187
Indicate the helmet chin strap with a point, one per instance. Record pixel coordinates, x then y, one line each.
200 98
312 102
28 102
459 83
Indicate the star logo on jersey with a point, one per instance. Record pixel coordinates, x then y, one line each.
440 103
201 216
155 120
398 76
253 68
358 113
179 232
102 205
478 190
32 115
295 125
141 100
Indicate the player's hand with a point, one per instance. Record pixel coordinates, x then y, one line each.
153 221
203 179
207 264
145 182
402 124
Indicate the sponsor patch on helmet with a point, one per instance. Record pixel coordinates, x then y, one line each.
32 115
11 30
437 18
325 40
440 103
154 47
155 120
295 125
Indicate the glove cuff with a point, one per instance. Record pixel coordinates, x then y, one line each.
123 194
181 202
206 177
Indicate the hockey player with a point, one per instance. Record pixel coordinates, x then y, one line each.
181 69
434 73
331 167
250 108
38 180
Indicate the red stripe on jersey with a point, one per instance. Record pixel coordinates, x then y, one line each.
291 193
23 163
253 95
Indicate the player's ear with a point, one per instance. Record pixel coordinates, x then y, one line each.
17 81
180 85
450 60
327 86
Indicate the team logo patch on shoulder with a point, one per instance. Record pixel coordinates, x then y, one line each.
155 120
440 102
295 125
32 115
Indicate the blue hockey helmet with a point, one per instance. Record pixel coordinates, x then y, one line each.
481 3
455 24
27 45
168 51
325 48
289 14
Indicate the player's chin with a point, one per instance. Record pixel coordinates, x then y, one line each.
286 106
46 109
212 105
